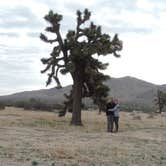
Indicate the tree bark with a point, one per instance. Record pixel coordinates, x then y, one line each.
77 98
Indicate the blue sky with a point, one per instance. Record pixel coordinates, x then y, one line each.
140 24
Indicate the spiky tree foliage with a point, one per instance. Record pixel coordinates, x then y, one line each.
98 91
160 101
67 104
74 55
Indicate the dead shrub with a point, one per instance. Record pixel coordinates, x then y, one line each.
150 116
137 117
2 106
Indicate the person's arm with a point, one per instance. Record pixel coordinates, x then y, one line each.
118 107
115 108
112 109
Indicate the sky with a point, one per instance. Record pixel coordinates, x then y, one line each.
141 25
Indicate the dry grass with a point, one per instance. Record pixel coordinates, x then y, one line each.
42 138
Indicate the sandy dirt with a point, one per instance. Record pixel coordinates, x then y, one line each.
29 138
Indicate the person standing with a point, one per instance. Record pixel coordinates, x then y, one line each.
110 115
116 115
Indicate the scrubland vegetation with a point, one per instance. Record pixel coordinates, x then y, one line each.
29 138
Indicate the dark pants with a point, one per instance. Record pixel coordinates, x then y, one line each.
110 120
116 121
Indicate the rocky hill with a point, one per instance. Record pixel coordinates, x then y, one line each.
128 90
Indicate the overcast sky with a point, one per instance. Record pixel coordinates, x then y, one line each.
141 25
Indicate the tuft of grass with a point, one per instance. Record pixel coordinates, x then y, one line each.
35 163
137 117
150 116
53 164
74 165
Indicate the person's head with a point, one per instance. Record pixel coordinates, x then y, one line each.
116 101
110 100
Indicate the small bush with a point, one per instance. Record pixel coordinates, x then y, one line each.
19 104
2 106
35 163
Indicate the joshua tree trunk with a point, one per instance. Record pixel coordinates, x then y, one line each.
77 98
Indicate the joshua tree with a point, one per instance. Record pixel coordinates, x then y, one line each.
160 100
74 54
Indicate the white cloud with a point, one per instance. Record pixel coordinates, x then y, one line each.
144 4
161 21
140 24
142 57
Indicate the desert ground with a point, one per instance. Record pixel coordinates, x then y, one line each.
30 138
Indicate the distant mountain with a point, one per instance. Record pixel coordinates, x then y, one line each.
52 95
128 90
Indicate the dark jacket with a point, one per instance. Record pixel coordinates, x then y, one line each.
109 106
